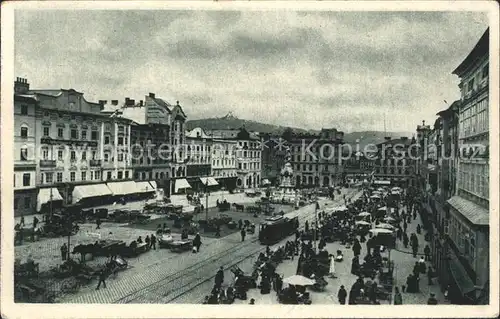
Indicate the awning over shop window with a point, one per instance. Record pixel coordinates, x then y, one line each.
464 282
153 184
476 214
181 184
44 197
144 187
87 191
382 182
123 188
209 181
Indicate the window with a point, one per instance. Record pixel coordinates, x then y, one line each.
84 155
470 86
24 131
120 175
27 202
45 153
120 140
26 179
485 71
73 156
74 134
46 131
108 177
59 177
60 132
106 157
126 174
84 176
24 109
97 175
72 176
24 153
60 155
84 135
120 157
106 140
93 135
49 178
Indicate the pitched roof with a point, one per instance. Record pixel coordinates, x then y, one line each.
481 49
476 214
163 103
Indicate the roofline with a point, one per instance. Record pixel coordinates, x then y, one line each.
480 49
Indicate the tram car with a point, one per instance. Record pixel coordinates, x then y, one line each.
276 228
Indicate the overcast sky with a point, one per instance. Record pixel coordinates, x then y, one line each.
309 70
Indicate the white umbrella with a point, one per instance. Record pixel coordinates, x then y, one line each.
390 219
377 192
395 189
380 189
362 222
374 196
376 231
298 280
340 208
385 226
364 214
383 208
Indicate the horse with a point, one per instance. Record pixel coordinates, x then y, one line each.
83 250
239 207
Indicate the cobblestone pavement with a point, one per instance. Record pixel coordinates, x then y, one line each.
162 276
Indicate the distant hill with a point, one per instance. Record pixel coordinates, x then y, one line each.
231 122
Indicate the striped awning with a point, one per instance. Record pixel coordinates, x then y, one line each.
87 191
123 188
45 196
209 181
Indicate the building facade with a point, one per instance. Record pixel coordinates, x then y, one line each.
316 158
468 223
224 165
25 146
199 157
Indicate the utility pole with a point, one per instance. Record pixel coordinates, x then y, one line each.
206 200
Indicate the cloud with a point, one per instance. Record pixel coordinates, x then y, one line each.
305 69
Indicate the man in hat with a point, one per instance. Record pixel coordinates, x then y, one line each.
197 242
342 295
432 300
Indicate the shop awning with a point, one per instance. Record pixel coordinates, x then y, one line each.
153 184
123 188
181 184
144 187
457 270
209 181
87 191
382 182
476 214
44 197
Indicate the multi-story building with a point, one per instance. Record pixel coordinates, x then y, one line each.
423 132
358 168
248 155
316 158
224 166
68 132
199 159
396 161
273 158
468 223
25 146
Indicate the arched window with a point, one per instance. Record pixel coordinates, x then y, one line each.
24 153
24 131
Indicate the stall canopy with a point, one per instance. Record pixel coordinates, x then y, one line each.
209 181
181 184
44 197
265 182
87 191
382 182
123 188
144 187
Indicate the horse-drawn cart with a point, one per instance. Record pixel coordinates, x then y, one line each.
181 245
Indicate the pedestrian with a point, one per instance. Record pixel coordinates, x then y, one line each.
240 224
332 267
427 252
217 231
414 214
373 293
197 242
98 223
419 229
35 222
64 252
102 279
342 294
252 301
22 221
356 248
153 241
430 274
147 241
398 298
243 233
219 277
432 300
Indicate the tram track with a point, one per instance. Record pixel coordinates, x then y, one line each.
175 285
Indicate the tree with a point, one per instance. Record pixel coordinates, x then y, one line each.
287 134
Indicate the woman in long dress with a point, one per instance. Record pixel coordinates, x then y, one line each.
332 266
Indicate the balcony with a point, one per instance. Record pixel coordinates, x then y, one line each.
94 163
47 163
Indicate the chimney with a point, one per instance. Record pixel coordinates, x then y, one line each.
141 103
114 102
126 100
103 102
21 85
152 95
131 102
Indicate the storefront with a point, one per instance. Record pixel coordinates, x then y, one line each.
47 198
181 185
91 195
145 189
123 190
